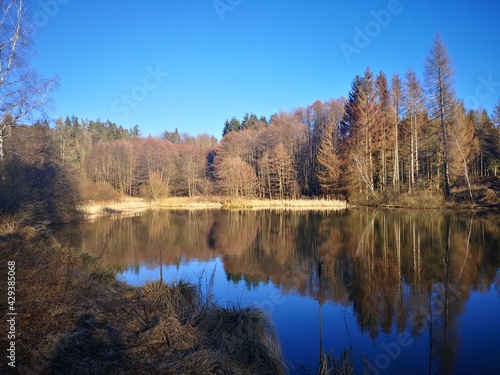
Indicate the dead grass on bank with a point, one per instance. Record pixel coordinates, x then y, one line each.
485 196
10 224
74 317
187 337
286 204
129 206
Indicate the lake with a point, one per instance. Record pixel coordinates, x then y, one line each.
412 292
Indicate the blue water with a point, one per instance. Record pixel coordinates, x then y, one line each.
296 319
366 278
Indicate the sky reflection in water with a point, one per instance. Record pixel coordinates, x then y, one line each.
376 279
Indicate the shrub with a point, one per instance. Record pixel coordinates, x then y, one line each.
38 195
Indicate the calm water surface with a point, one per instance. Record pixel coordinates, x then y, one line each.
411 292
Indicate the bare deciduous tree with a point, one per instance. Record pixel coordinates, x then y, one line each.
397 100
23 91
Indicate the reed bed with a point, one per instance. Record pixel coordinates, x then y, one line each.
286 204
133 206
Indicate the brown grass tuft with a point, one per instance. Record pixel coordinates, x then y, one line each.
74 317
179 299
247 335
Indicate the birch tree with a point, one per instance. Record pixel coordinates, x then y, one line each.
23 91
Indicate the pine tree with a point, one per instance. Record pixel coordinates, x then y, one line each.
232 125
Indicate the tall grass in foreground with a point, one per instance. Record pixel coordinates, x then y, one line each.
248 334
74 317
234 339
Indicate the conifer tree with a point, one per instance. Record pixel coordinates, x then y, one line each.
439 81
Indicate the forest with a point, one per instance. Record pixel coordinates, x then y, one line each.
390 137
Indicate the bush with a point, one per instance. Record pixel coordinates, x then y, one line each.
92 191
38 195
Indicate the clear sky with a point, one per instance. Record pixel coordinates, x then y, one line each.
191 64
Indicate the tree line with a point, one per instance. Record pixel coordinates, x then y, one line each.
390 136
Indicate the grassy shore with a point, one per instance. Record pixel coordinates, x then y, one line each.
129 206
75 317
484 199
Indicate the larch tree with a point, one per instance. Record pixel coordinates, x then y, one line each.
23 91
329 158
329 162
439 81
282 179
496 122
397 97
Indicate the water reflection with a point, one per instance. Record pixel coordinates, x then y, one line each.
396 271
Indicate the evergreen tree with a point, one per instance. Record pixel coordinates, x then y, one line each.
173 137
232 125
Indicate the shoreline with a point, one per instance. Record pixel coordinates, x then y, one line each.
130 206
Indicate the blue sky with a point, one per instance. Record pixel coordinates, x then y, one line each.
191 64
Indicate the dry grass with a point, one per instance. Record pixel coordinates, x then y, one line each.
126 206
485 196
200 337
247 334
9 225
343 364
66 323
286 204
179 299
190 202
74 317
425 199
129 206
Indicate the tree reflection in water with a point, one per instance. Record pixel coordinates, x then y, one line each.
400 271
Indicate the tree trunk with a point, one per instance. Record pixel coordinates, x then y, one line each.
396 156
2 151
446 173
